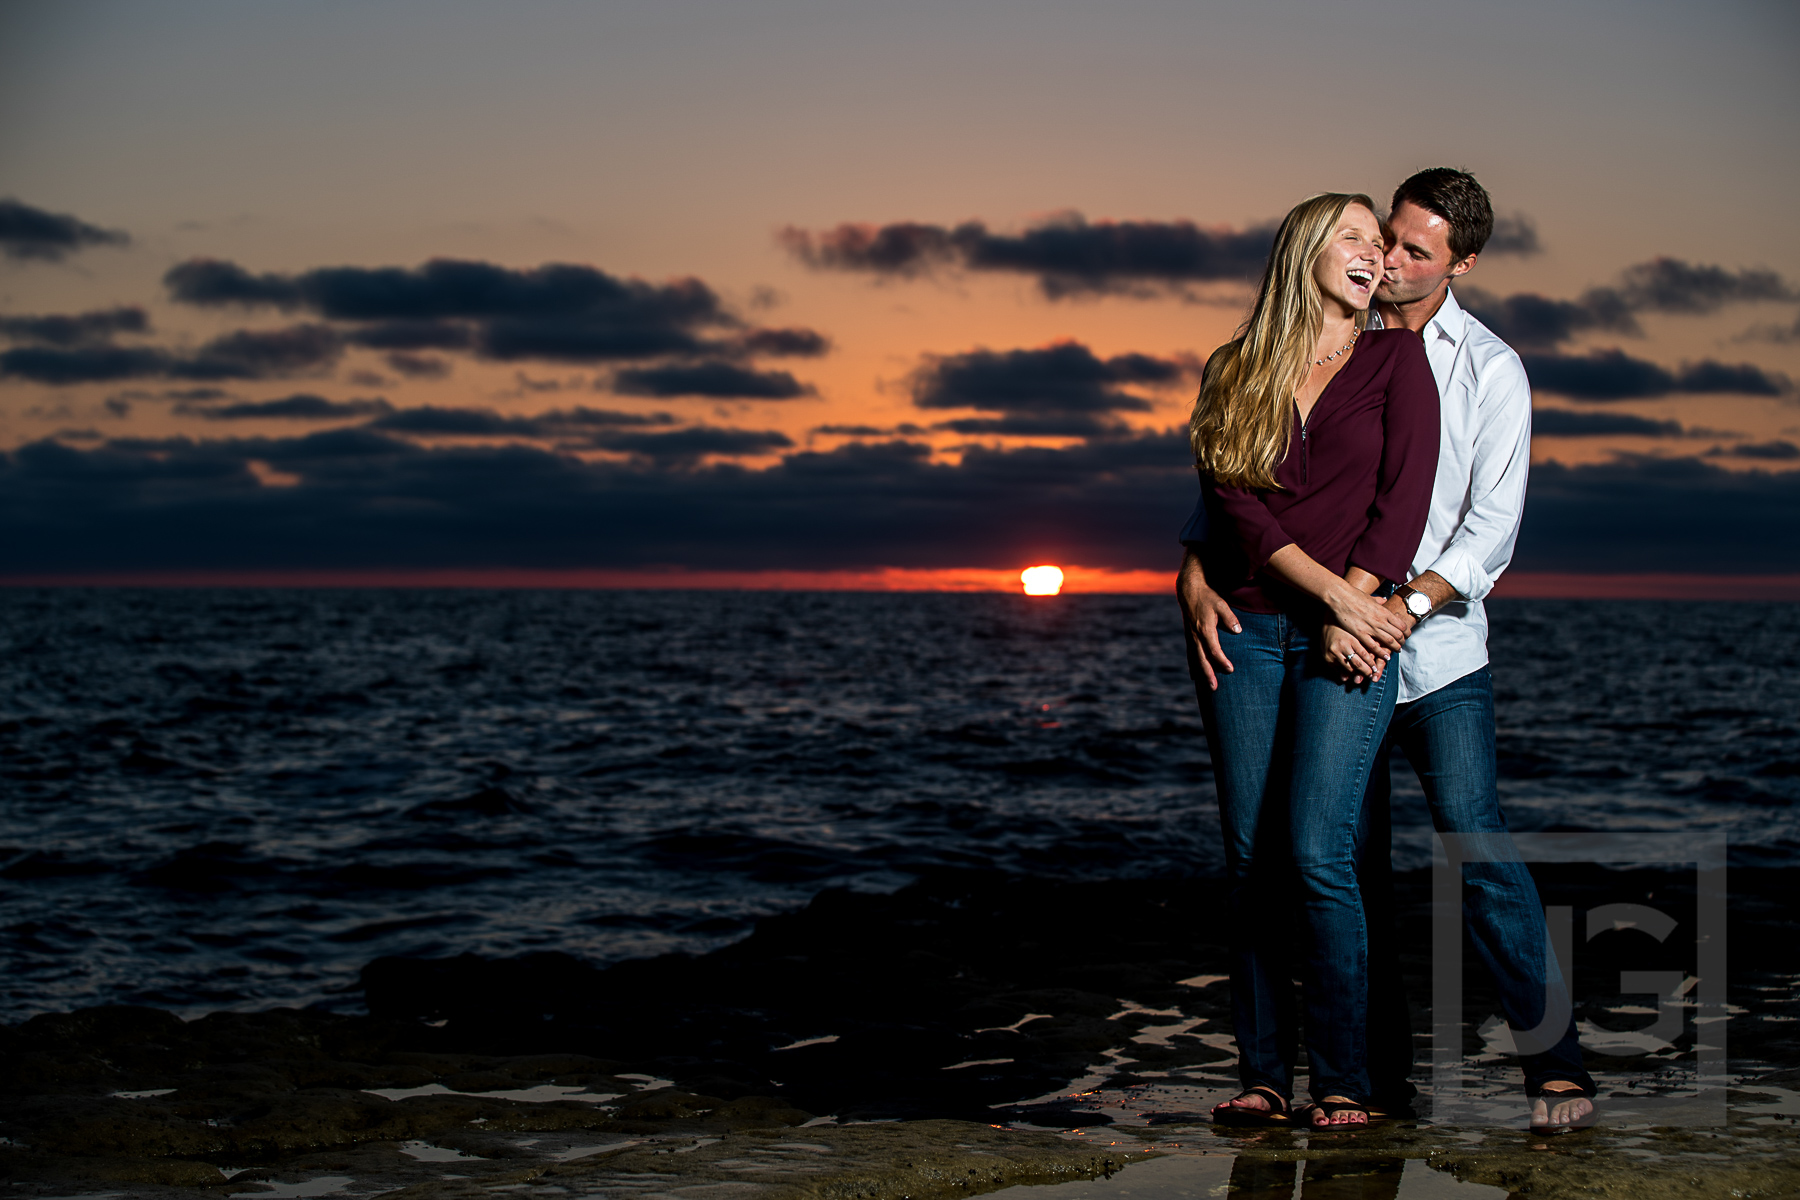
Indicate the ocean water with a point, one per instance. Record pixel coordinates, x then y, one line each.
236 798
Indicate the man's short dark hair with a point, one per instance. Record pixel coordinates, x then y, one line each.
1459 200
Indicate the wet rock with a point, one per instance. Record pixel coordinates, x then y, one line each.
864 1005
971 998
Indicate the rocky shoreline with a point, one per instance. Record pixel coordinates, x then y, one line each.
920 1044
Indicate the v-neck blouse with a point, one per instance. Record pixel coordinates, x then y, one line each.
1355 487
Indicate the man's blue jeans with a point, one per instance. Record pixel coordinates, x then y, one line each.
1291 751
1448 736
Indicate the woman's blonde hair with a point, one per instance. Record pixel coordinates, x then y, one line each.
1244 416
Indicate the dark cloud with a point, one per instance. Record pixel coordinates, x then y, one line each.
263 353
214 282
88 364
1067 254
432 420
418 366
1526 320
1613 375
1075 425
1065 380
1739 379
784 343
905 248
904 429
414 335
302 406
457 422
1780 335
602 418
446 288
1516 234
560 311
1673 286
584 340
720 380
367 498
75 329
244 354
1658 514
689 445
1775 451
27 232
1560 422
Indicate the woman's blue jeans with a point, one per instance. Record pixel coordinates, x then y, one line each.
1291 752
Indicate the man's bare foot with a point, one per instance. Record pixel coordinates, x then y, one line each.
1563 1114
1338 1111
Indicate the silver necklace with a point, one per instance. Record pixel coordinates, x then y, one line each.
1319 362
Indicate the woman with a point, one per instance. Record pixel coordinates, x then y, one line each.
1317 447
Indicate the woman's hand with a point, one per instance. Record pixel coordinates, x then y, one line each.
1376 628
1346 653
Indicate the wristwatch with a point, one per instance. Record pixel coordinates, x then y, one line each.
1417 602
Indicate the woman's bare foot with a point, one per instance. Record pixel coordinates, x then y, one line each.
1565 1112
1351 1114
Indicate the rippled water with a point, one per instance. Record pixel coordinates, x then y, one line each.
236 798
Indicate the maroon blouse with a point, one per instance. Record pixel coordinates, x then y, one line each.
1355 485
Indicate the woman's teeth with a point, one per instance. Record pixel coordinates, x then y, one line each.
1361 278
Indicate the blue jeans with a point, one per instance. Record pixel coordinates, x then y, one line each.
1448 736
1291 750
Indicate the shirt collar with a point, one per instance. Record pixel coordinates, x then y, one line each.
1451 319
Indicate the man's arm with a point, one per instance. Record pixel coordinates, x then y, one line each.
1483 543
1202 612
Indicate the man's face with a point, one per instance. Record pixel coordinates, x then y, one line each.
1419 261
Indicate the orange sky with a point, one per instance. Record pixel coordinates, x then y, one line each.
664 142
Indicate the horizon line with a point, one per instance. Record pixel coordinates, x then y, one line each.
1522 585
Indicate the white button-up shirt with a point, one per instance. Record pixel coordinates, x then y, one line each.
1477 501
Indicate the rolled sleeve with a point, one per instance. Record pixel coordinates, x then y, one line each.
1482 546
1462 572
1408 467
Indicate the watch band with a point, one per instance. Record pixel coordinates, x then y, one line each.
1406 592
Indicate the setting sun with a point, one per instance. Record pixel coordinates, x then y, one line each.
1042 581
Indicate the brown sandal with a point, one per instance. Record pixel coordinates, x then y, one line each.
1277 1113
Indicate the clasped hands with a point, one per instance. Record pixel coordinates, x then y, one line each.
1362 636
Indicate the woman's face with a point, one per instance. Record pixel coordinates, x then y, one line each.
1349 270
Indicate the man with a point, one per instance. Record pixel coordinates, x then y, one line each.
1444 719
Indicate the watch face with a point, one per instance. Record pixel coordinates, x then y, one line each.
1418 604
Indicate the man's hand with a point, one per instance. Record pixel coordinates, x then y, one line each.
1202 612
1397 606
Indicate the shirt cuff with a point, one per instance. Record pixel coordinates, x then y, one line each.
1459 569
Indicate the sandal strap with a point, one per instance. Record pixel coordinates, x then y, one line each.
1279 1102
